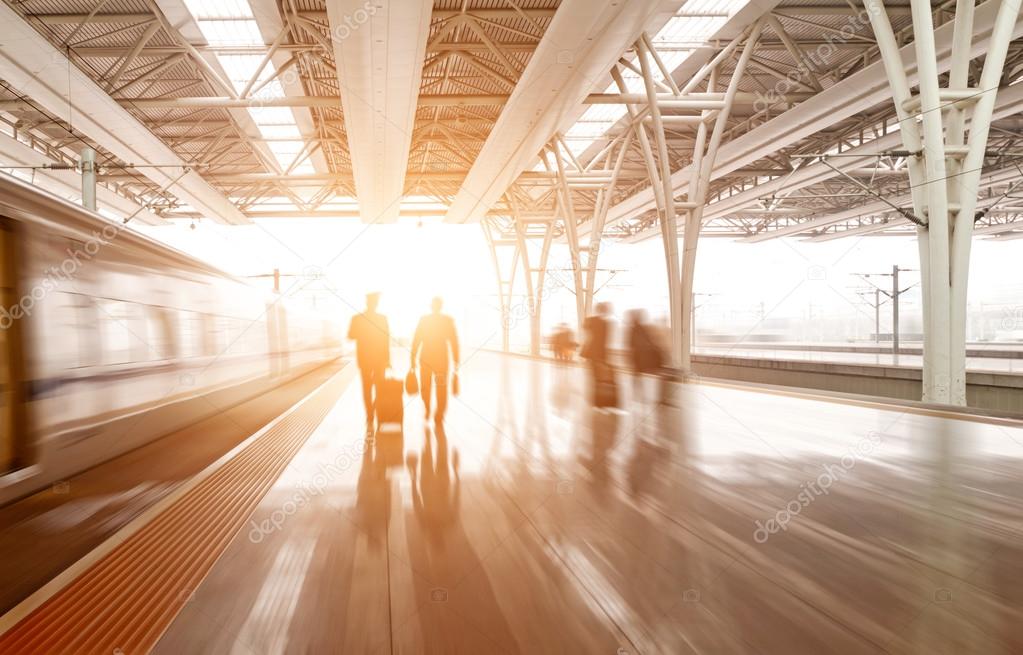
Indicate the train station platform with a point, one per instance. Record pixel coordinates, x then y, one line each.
994 374
731 520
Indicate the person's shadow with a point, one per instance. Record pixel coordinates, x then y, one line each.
436 486
449 571
373 494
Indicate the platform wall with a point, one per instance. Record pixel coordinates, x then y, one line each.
999 392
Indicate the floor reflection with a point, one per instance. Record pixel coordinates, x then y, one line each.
602 434
531 522
435 485
381 453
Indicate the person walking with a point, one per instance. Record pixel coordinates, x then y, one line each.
436 343
563 343
596 330
372 339
646 358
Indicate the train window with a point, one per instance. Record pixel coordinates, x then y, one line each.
123 332
88 330
160 331
191 334
209 334
225 335
240 336
59 332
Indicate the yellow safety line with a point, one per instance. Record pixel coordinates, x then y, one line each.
125 594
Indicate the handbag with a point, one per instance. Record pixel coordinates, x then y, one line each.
411 383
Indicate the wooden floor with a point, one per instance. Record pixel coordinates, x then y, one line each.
533 524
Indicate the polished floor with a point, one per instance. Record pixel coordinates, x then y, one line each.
730 522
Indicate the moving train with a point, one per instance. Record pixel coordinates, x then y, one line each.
109 339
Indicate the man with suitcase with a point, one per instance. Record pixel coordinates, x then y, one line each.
437 338
372 339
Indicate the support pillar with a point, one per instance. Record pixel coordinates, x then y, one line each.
510 243
505 286
944 170
713 119
567 211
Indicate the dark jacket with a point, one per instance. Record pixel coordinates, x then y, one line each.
435 334
644 352
595 329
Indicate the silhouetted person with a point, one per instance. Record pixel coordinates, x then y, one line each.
437 338
372 352
645 354
563 343
596 331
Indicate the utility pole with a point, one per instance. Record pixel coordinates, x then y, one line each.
895 309
877 316
88 164
894 295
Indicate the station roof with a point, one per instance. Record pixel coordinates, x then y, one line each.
462 109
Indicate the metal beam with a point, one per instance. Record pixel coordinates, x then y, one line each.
67 183
857 93
859 160
379 71
693 101
328 102
998 177
580 45
60 87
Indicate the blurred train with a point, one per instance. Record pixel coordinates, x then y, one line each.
109 339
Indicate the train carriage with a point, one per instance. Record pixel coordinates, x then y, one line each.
109 339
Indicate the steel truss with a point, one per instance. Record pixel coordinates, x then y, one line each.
710 125
509 242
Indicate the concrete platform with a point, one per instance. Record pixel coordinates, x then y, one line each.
993 385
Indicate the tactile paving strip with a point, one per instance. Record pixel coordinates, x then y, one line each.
125 601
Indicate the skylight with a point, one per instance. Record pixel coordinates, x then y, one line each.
691 28
231 23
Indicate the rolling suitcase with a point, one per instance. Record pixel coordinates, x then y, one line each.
390 405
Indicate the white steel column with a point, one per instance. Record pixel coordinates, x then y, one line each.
505 286
715 113
538 287
602 204
944 167
567 212
512 239
668 217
